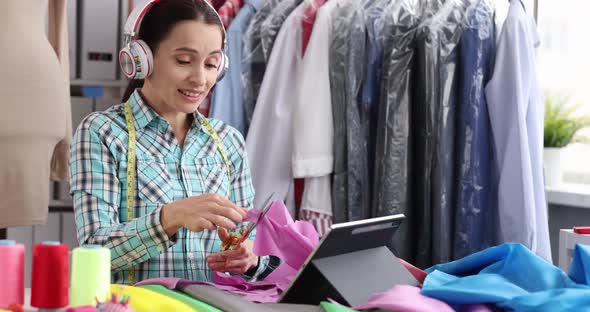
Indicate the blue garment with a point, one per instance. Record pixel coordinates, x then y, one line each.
473 209
516 109
227 104
512 277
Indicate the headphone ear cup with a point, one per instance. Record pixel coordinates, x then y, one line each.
223 68
143 58
127 63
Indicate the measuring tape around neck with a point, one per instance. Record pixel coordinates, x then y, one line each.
131 169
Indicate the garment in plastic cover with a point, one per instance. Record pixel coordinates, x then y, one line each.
253 61
371 88
434 122
358 196
272 24
474 205
392 144
338 52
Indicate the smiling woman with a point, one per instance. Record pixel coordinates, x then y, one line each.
153 179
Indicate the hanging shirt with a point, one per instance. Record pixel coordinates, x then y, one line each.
316 199
270 138
227 104
474 207
165 173
516 109
313 132
253 61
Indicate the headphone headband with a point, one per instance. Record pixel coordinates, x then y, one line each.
133 23
136 59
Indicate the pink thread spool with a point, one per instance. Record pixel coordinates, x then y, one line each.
12 271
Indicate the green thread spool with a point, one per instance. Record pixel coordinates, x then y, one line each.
91 275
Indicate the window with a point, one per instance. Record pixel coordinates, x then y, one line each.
564 68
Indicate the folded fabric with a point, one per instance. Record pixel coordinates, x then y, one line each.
252 291
404 298
510 276
334 307
230 302
182 297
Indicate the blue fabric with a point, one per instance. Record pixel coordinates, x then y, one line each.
473 231
226 102
512 277
580 268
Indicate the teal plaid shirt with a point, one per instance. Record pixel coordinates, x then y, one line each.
165 173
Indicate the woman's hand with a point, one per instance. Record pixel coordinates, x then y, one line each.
237 261
201 212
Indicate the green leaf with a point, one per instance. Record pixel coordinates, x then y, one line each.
560 127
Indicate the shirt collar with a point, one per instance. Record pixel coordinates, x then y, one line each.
143 114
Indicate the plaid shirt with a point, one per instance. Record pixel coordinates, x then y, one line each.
165 173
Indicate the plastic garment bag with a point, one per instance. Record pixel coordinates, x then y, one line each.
269 29
338 51
375 19
358 196
434 118
253 61
474 206
392 144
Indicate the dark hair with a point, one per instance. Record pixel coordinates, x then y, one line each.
162 17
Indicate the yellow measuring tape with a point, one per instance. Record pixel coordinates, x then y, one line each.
131 169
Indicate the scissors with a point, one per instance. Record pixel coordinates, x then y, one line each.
236 239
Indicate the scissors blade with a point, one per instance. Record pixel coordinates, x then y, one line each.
266 207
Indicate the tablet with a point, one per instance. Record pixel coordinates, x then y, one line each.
349 264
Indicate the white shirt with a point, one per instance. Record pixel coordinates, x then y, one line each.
270 138
313 135
516 112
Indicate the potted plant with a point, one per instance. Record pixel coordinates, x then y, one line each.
561 123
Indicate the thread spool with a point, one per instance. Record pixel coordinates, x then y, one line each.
91 275
12 271
49 289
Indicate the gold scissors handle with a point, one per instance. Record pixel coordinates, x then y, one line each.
236 239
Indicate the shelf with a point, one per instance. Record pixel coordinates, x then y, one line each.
99 83
569 194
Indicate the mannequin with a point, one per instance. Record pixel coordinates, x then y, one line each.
35 116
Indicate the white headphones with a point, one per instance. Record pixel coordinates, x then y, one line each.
136 58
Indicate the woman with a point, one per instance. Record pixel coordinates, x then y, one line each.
188 186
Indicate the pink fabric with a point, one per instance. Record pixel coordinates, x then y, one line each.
278 235
266 292
404 298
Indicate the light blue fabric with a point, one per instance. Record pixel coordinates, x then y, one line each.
512 277
516 109
226 101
